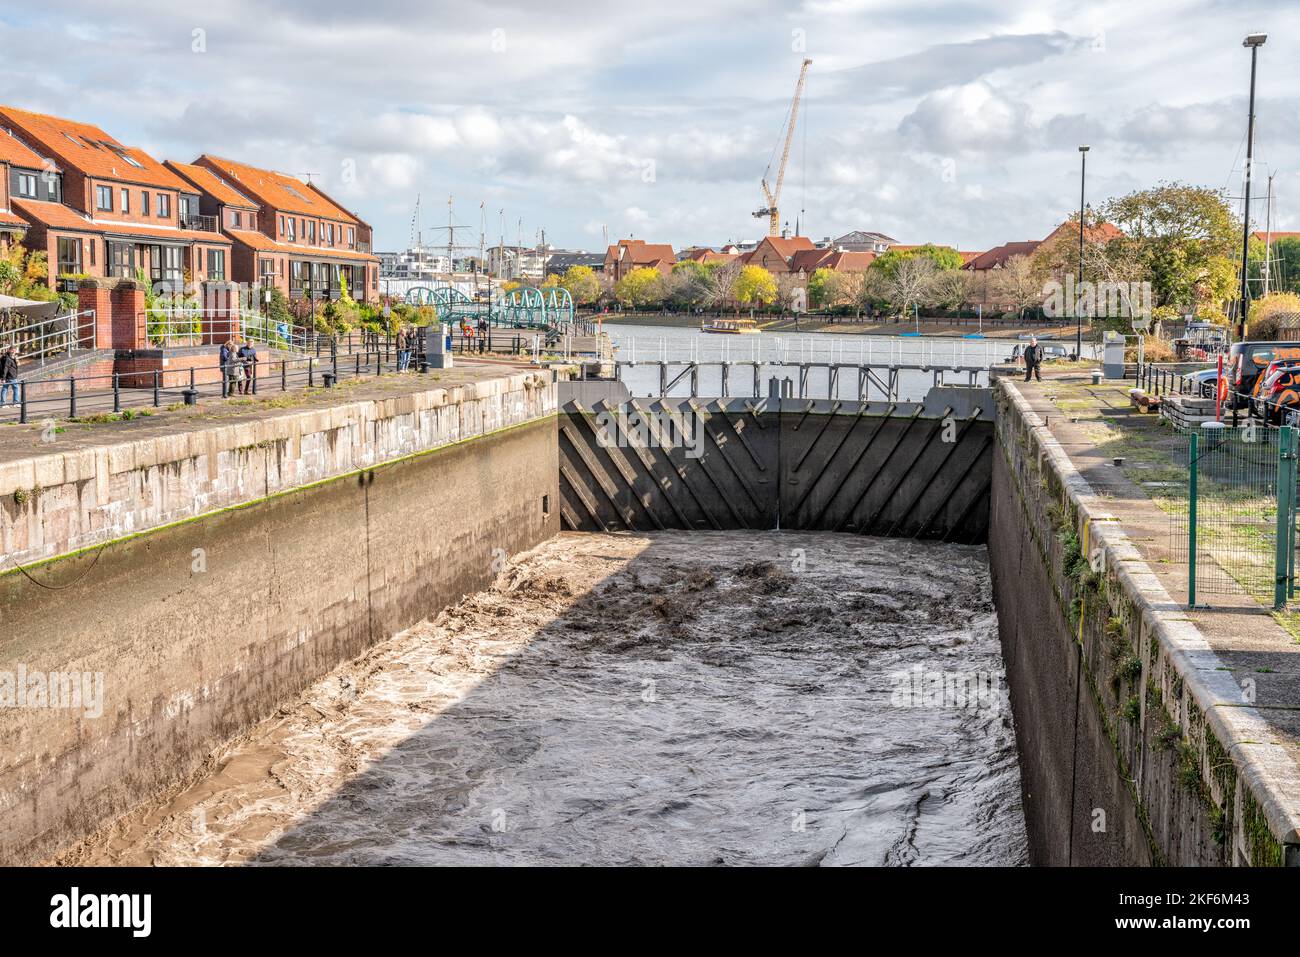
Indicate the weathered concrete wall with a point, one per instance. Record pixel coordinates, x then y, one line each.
1134 749
57 503
203 628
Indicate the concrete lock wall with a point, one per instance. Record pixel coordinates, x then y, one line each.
352 523
1130 754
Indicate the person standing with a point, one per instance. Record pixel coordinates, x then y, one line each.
227 364
1033 360
248 363
8 376
482 333
403 349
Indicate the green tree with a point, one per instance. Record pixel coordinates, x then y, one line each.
1175 237
941 257
822 288
582 283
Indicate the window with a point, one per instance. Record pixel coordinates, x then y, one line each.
91 243
121 151
289 234
281 225
331 227
69 253
27 184
267 271
183 205
165 205
165 264
236 221
120 260
311 231
126 201
352 237
104 198
216 264
52 188
144 203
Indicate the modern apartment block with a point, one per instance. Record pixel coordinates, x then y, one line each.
100 208
286 234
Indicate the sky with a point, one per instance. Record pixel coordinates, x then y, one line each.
928 120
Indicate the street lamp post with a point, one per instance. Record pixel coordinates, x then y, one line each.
1254 42
1078 319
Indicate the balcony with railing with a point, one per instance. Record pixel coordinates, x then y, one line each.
201 223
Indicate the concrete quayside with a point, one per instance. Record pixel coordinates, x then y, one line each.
469 620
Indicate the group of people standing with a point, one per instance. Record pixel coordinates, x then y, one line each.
239 366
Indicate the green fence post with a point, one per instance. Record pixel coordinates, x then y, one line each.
1191 519
1285 492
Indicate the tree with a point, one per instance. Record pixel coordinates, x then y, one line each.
907 284
1275 311
582 283
822 288
792 292
721 282
950 288
1017 283
1174 236
940 257
754 286
641 287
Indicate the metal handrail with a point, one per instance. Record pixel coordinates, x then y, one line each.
47 340
187 326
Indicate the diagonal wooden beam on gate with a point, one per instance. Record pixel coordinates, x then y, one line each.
905 472
880 469
661 482
956 486
879 427
937 470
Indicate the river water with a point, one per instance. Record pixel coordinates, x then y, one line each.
680 698
644 344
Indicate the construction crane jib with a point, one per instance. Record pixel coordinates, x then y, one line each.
772 197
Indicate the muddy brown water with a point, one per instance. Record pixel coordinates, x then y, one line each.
677 698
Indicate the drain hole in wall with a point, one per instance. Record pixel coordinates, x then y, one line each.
546 505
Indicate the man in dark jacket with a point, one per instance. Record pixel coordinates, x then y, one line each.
1033 359
248 360
8 376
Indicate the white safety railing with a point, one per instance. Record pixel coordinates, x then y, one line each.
176 327
49 340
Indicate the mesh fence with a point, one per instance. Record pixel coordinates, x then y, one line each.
1235 476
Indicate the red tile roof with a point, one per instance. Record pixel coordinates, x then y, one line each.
1261 235
265 243
8 219
87 148
1098 232
17 153
212 184
998 255
787 246
58 216
809 260
277 190
849 261
637 252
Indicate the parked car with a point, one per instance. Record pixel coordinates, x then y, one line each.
1205 381
1279 392
1246 364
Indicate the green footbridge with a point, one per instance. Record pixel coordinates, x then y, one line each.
527 307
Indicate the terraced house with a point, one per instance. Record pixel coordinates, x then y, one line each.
286 234
100 208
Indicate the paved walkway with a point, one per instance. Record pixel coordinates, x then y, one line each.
1094 424
45 432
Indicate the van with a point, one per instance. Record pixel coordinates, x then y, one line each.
1246 364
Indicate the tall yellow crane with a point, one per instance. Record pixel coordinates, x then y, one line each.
772 197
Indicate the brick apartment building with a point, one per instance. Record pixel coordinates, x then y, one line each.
629 254
287 234
21 174
99 208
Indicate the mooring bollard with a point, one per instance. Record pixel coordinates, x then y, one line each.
327 379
